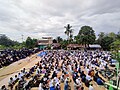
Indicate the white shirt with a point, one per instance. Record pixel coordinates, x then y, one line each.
91 87
19 76
56 79
78 82
87 70
40 87
15 78
51 83
88 77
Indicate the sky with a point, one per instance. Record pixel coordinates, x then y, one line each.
38 18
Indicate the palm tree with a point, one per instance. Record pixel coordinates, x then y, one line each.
69 32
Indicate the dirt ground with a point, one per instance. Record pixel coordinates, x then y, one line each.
13 69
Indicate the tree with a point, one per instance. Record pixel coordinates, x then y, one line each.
69 32
34 42
118 35
54 41
112 35
5 41
115 45
86 35
101 35
77 39
64 44
30 43
59 39
106 42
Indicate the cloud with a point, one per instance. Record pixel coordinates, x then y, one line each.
37 18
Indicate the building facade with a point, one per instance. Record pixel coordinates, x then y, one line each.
44 42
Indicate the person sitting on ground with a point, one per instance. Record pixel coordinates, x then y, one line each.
15 79
91 87
88 77
87 69
82 88
52 84
66 86
57 86
3 88
83 76
100 81
62 78
78 84
11 83
21 83
88 80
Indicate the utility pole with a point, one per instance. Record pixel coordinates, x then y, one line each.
22 37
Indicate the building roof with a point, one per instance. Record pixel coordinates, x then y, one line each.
56 45
95 46
75 46
46 37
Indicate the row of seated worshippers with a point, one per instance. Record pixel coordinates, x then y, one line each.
9 56
56 68
72 63
19 81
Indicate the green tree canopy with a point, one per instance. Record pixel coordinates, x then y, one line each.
64 44
59 39
30 43
115 45
101 35
86 35
106 42
5 41
54 41
118 35
112 35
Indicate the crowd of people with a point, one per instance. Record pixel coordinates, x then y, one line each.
9 56
61 68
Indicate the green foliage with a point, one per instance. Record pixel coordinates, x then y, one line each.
59 39
5 41
48 47
2 47
54 41
118 35
30 43
21 45
116 55
86 35
64 44
77 39
101 36
106 42
115 45
69 32
112 35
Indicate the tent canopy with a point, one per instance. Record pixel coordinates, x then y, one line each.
42 53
